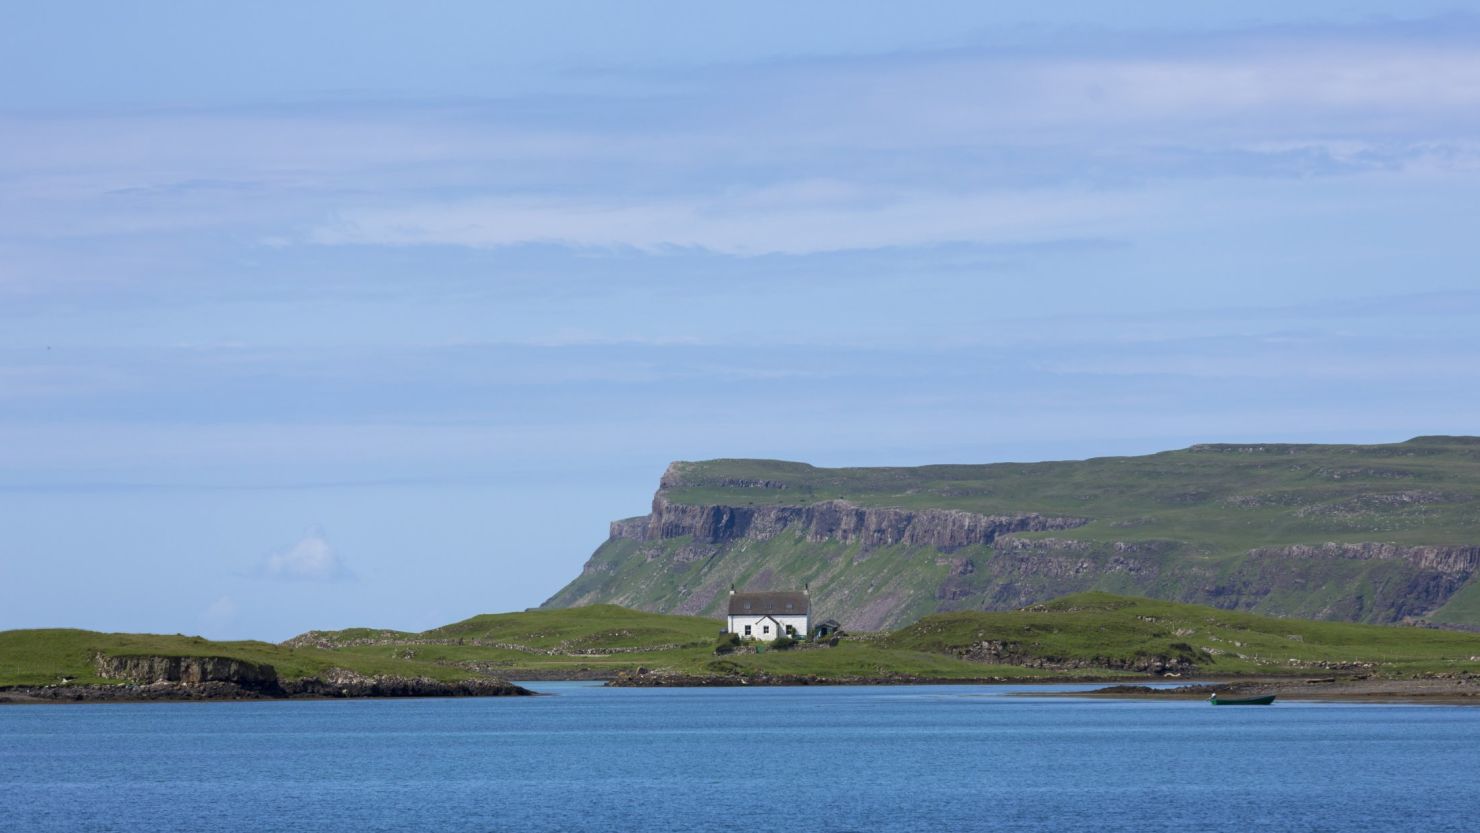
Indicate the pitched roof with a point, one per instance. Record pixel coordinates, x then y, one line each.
775 604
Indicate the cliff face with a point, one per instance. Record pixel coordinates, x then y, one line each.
192 678
186 671
881 547
834 520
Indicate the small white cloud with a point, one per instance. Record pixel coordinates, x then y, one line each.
311 558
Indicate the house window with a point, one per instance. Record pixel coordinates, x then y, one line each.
791 631
766 629
747 630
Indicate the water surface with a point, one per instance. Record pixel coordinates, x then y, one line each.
780 759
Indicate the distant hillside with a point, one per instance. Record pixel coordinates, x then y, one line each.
1378 534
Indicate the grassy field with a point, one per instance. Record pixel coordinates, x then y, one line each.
603 639
43 657
1086 635
1116 629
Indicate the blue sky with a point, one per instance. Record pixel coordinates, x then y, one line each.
362 314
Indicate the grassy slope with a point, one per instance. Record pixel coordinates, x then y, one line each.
1202 508
40 657
1090 625
596 626
602 639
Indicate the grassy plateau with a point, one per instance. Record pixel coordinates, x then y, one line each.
1362 533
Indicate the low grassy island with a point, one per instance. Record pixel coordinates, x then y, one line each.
1082 637
61 665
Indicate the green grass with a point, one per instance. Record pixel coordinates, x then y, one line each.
42 657
863 660
1078 627
604 639
591 627
1099 625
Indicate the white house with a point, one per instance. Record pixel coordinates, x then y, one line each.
766 616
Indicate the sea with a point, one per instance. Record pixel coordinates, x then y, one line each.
809 760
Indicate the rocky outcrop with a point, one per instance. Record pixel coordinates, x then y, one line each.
632 529
946 530
1452 561
341 682
331 685
997 652
145 670
225 678
132 693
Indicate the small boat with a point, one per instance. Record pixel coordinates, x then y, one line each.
1242 701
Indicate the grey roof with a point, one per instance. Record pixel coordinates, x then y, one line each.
773 604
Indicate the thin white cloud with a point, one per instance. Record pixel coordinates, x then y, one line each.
739 224
794 157
310 558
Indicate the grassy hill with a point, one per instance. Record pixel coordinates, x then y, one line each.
1087 634
585 640
1366 533
1093 635
601 640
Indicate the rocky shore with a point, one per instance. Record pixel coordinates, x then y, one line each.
1456 689
645 678
311 688
156 678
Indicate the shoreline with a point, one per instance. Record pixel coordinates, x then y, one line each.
661 680
1463 689
1458 690
219 692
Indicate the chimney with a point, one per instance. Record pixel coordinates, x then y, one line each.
732 589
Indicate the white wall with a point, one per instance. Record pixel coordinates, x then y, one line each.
737 625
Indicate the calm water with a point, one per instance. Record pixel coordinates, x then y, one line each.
785 759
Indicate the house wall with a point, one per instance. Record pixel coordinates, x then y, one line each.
737 625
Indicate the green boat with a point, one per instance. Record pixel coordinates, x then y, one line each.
1243 701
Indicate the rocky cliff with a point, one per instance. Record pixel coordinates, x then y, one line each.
1377 534
224 678
946 530
146 670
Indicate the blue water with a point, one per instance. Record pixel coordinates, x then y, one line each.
781 759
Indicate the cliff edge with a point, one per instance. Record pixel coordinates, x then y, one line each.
1376 533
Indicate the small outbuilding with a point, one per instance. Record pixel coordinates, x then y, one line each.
768 615
826 628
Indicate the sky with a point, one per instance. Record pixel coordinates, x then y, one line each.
370 314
